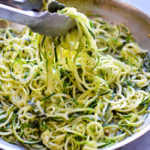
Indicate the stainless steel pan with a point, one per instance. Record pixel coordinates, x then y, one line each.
115 12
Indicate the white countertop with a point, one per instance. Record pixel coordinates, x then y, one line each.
144 5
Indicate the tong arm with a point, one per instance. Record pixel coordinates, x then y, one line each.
17 15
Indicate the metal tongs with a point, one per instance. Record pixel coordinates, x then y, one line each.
27 12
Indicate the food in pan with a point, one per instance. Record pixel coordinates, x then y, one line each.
86 90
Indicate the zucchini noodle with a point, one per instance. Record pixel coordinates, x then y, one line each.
86 90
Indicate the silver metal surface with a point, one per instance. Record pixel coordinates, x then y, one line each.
116 12
45 23
35 5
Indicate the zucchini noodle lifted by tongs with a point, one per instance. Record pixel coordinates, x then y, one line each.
86 90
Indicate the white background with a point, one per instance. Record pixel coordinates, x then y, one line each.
144 5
